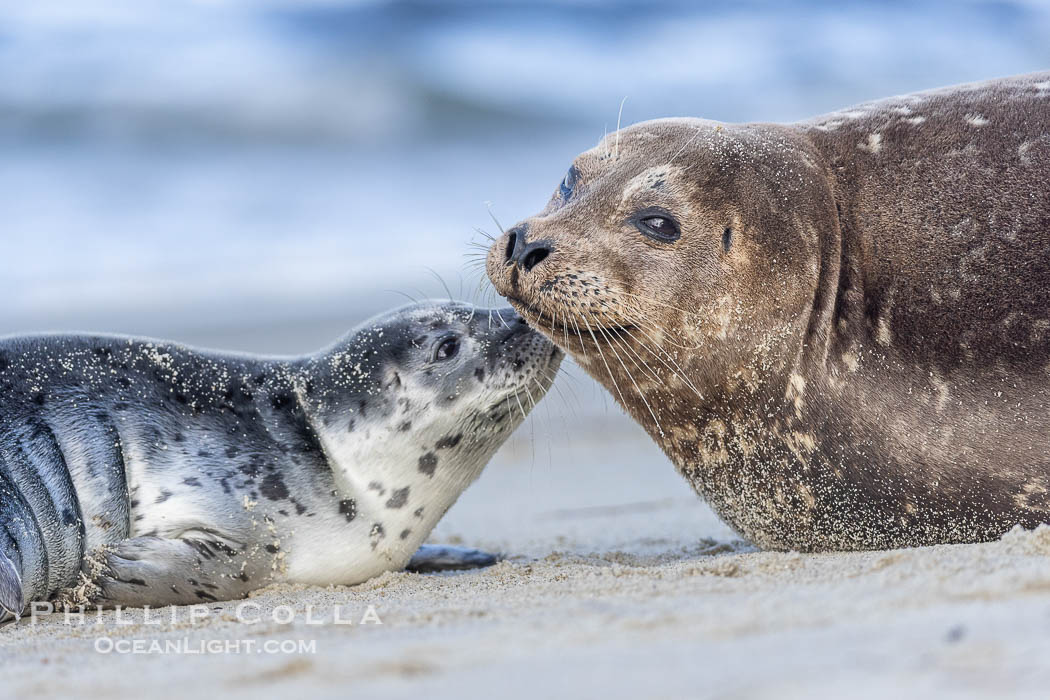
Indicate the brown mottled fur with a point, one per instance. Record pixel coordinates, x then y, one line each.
867 364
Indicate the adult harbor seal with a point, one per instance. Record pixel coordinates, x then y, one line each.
175 476
839 329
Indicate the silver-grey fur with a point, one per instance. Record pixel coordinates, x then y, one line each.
139 472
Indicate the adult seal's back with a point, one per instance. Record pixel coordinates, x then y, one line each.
838 330
171 475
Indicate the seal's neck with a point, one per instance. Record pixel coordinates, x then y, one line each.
398 475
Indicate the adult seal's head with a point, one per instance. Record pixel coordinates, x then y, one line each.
819 321
672 232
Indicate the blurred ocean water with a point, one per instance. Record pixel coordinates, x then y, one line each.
227 169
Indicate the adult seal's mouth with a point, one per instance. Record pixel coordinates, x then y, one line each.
523 307
543 321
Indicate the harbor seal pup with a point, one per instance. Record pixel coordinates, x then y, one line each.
173 476
839 329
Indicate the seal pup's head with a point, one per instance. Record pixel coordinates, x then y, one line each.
678 257
413 404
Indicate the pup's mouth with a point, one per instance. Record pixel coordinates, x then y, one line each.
541 320
529 391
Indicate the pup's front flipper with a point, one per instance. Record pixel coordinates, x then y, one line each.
12 602
431 558
155 571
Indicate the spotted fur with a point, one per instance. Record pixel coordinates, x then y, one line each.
848 346
140 472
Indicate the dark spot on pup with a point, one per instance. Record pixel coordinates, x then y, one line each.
224 548
350 425
164 495
273 487
377 534
348 509
191 481
428 463
480 374
405 427
280 400
253 468
398 498
404 534
418 512
202 548
449 441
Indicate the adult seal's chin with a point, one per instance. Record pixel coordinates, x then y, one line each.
821 323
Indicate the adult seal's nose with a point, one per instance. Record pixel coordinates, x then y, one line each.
521 253
533 254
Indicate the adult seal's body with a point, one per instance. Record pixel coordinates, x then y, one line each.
838 330
176 476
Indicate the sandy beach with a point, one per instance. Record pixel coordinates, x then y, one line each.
618 582
262 175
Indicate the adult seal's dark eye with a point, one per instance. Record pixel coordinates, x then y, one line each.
446 349
568 185
658 225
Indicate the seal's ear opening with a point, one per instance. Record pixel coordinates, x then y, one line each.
11 599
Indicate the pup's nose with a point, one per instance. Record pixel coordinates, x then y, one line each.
524 254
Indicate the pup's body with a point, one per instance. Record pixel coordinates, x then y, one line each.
173 476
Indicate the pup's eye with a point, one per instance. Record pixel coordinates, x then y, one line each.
568 185
658 226
446 349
